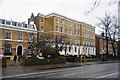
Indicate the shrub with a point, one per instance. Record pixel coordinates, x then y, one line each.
50 51
92 59
30 62
72 59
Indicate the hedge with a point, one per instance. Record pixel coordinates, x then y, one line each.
32 61
92 59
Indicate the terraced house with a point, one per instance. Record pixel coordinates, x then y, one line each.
16 38
73 37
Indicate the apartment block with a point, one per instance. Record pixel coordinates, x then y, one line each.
16 38
75 37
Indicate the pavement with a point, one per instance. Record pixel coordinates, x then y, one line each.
16 68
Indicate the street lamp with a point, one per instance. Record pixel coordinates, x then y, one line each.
103 45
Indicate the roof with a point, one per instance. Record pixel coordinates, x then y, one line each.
59 15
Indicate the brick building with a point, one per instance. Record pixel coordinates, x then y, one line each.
75 37
16 38
100 43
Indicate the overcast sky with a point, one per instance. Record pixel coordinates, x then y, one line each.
20 10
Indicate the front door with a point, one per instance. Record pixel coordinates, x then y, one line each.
19 50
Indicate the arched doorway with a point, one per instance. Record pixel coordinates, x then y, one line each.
19 50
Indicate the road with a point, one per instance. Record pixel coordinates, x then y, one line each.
96 71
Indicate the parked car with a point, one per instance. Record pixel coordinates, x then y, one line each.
3 60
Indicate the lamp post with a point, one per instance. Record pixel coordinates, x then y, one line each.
103 45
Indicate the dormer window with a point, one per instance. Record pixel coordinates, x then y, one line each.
14 23
3 21
8 22
30 26
20 24
25 25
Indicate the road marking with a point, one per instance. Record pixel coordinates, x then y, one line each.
74 73
71 74
27 74
107 75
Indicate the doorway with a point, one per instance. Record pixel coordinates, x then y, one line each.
19 50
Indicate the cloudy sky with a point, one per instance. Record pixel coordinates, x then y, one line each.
20 10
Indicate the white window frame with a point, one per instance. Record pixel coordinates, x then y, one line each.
9 36
61 21
30 38
20 36
56 28
56 20
61 29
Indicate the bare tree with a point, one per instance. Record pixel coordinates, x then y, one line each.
109 26
97 3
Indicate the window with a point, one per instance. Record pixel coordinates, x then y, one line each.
3 21
75 49
56 20
14 23
42 20
70 41
75 41
69 49
30 38
61 29
71 32
56 28
30 48
74 25
8 22
20 24
78 26
70 24
7 50
66 30
57 37
8 35
20 36
78 33
25 25
78 41
67 23
75 32
30 26
61 21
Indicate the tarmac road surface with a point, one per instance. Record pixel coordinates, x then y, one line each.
94 71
